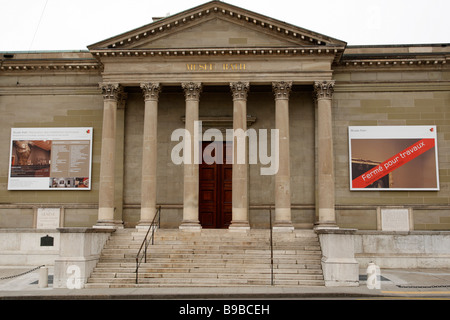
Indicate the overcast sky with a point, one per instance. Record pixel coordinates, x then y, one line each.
31 25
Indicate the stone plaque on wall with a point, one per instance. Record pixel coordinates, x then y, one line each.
395 219
48 218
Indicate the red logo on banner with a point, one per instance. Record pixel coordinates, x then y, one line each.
393 163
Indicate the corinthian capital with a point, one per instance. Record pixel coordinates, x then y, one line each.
192 90
323 89
282 89
239 90
111 91
151 91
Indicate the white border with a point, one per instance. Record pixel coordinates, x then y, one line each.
67 133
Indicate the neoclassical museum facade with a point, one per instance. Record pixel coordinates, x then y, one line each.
221 81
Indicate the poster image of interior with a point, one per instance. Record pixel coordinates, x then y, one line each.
30 158
360 166
409 164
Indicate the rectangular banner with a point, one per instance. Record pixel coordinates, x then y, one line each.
50 159
393 158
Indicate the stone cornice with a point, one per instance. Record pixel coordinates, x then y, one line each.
33 64
45 62
211 52
391 63
390 57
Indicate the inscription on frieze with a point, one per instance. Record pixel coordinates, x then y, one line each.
205 67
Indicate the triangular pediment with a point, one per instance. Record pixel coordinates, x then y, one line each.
216 25
216 32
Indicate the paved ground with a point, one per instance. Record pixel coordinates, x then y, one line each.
395 284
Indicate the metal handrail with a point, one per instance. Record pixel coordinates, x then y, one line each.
146 242
271 247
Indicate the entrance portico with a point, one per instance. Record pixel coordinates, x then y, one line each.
273 54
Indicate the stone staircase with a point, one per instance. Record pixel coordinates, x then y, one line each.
210 258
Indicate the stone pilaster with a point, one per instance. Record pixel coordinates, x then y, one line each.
191 168
112 95
283 220
325 202
149 153
240 164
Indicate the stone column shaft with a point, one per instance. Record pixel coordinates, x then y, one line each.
111 95
326 197
191 169
283 218
240 159
149 153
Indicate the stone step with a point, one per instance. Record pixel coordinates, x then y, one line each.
181 277
230 261
117 283
210 258
239 250
147 272
224 243
153 251
218 234
135 245
168 263
214 233
201 283
204 261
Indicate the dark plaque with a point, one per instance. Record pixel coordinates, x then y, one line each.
47 241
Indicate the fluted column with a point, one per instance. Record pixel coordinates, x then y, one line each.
112 93
149 153
191 168
283 220
240 160
325 202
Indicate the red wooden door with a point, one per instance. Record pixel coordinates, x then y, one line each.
215 185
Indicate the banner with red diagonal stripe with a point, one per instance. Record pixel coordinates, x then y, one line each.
393 163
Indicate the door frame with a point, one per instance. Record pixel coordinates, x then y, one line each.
215 194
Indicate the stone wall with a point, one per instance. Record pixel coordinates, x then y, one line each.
49 99
363 95
23 247
415 249
391 96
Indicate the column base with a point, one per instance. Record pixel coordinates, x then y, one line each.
190 226
239 226
326 226
145 227
145 224
108 224
281 226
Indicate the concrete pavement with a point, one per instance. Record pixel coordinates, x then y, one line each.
395 283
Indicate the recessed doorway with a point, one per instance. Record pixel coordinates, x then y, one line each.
215 181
